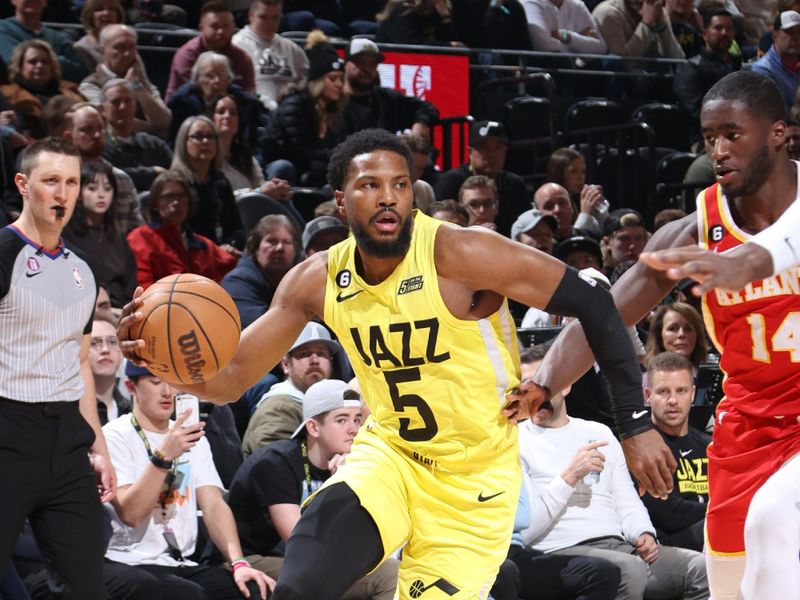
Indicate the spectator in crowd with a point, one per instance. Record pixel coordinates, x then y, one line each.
421 169
86 129
95 15
478 194
167 244
583 503
26 24
563 26
492 24
680 518
624 237
359 15
102 305
417 23
450 211
272 248
280 411
687 25
780 63
140 154
310 121
535 229
105 360
156 11
216 32
488 144
198 158
667 215
567 167
306 15
678 328
120 59
211 78
238 163
695 77
372 105
580 252
279 62
553 199
93 230
793 139
269 488
637 28
35 77
166 473
321 233
52 442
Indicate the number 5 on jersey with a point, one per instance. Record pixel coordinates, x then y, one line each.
402 401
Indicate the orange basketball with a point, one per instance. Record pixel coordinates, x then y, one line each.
191 328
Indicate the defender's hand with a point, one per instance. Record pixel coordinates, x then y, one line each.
524 401
651 463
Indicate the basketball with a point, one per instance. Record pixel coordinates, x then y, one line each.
190 327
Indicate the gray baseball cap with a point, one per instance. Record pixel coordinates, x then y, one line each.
530 219
324 396
315 332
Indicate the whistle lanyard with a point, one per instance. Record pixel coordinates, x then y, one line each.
171 478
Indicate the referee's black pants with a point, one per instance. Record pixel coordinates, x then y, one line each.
45 476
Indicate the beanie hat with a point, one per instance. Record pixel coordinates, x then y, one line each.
322 57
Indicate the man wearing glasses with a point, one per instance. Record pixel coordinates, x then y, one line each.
104 360
478 194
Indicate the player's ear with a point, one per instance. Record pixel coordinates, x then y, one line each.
777 134
21 181
338 198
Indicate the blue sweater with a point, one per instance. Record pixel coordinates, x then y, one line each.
770 65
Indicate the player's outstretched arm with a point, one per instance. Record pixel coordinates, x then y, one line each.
298 298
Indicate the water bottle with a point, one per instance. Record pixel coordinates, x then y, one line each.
591 477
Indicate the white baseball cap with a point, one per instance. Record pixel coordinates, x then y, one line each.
788 19
325 396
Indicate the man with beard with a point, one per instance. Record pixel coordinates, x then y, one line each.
752 476
371 105
436 467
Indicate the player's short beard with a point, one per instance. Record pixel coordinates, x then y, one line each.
383 249
756 176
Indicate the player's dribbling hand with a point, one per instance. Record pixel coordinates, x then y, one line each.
130 315
651 463
647 548
524 401
244 574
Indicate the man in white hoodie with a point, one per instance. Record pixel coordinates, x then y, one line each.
279 62
583 503
280 410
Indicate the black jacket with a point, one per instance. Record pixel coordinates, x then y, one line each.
406 26
481 25
514 196
387 109
250 290
216 210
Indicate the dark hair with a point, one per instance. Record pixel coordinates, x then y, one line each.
30 156
89 173
655 343
57 114
710 14
267 224
362 142
759 94
91 7
448 206
474 182
558 163
266 3
214 6
668 362
240 155
416 143
667 215
533 354
157 187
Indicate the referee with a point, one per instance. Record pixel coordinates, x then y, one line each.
53 456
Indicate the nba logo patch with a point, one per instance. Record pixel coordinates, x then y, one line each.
33 265
78 279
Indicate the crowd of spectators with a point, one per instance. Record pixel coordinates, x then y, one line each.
248 110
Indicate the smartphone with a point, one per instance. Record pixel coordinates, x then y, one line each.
184 402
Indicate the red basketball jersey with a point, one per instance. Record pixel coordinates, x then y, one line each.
757 329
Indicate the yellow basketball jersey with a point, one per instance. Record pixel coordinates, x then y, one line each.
435 384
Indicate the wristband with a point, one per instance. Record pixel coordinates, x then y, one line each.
159 460
238 564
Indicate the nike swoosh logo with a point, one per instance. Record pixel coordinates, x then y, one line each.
341 297
482 498
687 453
32 274
639 414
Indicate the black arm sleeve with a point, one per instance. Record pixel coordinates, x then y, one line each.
612 347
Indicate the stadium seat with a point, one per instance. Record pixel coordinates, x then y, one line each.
306 199
529 122
669 123
253 206
598 112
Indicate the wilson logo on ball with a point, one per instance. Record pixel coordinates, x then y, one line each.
192 356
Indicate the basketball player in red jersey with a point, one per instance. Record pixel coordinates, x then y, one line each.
754 478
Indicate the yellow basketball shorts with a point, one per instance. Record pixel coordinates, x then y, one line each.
456 527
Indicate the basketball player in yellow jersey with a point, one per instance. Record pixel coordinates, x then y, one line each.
420 307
